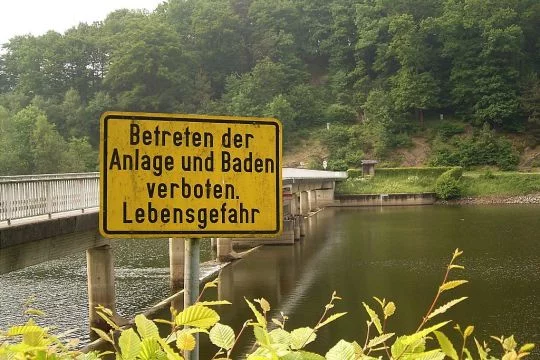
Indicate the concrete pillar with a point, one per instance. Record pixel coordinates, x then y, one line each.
304 203
313 200
295 204
101 291
297 227
224 249
176 263
303 226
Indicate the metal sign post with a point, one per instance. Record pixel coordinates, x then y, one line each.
191 284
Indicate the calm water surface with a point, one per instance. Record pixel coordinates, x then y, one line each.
394 253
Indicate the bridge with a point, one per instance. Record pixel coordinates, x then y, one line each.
45 217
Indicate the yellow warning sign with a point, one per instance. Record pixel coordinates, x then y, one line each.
175 175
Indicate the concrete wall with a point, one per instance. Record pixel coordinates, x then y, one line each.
384 199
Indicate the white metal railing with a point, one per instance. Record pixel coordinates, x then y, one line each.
32 195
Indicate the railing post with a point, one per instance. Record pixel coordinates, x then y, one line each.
48 198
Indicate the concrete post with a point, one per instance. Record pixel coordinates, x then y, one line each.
294 204
304 203
297 227
101 290
176 263
313 200
224 249
302 221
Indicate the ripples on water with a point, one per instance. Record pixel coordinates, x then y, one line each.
59 287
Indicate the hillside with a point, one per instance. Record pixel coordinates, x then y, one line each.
310 152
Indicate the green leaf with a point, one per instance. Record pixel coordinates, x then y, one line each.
301 337
446 345
330 319
260 318
171 354
343 350
481 351
468 331
261 335
130 344
197 316
265 305
374 317
443 308
108 320
430 355
280 336
410 339
150 350
146 328
222 336
24 329
103 335
34 312
389 309
302 355
509 343
451 284
214 303
526 348
185 341
379 340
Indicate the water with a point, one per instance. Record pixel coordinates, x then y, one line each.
395 253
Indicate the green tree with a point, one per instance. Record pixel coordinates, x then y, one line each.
79 156
16 145
47 147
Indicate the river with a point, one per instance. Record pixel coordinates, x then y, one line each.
397 253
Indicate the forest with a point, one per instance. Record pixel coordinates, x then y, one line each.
375 70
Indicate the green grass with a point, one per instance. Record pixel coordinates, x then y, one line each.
387 185
473 184
501 183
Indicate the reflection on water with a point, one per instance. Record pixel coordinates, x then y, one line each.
395 253
398 254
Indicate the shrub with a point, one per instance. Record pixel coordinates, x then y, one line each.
448 129
143 340
485 148
447 186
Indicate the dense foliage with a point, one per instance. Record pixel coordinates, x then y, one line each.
271 339
384 64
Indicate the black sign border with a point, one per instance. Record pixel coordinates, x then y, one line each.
201 119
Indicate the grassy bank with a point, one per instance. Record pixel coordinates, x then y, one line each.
500 184
472 183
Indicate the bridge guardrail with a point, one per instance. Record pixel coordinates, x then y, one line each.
33 195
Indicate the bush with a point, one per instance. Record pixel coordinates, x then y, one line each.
485 148
448 186
448 129
272 339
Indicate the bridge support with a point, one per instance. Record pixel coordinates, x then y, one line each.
304 203
224 249
297 227
313 200
176 263
302 222
101 290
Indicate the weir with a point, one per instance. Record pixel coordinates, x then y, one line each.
46 217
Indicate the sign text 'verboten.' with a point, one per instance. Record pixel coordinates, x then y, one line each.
166 175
